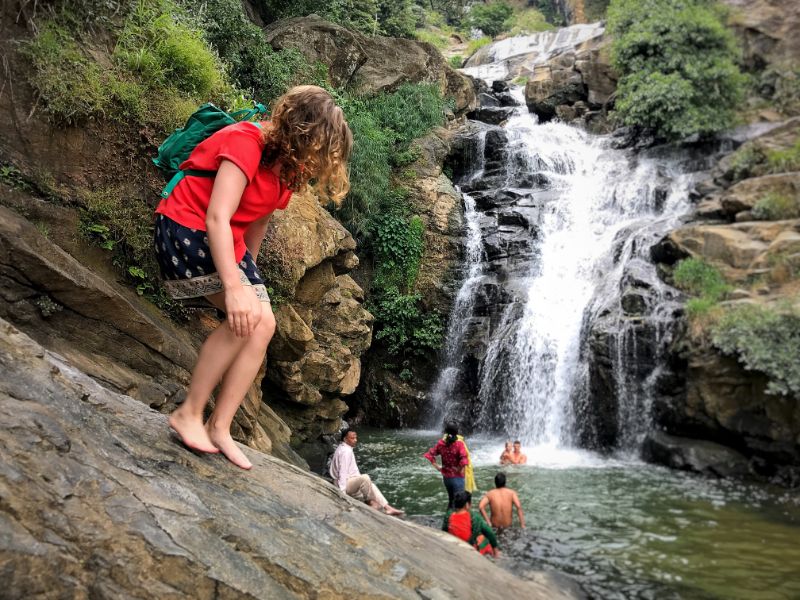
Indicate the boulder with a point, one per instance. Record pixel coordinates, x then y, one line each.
744 195
767 30
99 500
491 114
370 64
700 456
741 250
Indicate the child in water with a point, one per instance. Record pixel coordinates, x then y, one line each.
207 237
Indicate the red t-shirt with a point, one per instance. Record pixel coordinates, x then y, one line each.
242 144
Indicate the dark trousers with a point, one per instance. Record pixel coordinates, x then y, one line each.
453 485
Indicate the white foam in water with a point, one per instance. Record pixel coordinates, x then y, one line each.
485 453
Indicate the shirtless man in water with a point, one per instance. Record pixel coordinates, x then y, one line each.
501 501
517 457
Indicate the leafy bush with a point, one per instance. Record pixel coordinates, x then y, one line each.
396 18
404 328
528 21
765 340
698 278
677 66
71 86
456 61
383 127
491 18
784 161
254 65
776 207
378 213
162 68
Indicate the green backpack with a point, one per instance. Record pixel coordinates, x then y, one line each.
206 120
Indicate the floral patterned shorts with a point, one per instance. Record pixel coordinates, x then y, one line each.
187 267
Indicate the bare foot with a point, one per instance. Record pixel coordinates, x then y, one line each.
224 441
191 432
392 511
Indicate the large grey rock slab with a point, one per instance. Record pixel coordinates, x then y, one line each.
97 500
701 456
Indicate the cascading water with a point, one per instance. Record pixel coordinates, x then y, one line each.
566 223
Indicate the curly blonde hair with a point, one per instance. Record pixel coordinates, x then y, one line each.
309 135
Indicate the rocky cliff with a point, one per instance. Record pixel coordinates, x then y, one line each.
56 175
97 500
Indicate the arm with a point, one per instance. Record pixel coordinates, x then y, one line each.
431 456
524 460
338 473
518 506
483 527
482 507
241 306
254 235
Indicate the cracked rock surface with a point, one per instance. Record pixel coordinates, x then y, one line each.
98 501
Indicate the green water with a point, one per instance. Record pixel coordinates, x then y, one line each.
620 528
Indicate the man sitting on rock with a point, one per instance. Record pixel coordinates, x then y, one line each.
346 475
470 527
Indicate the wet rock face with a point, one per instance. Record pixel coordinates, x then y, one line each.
98 500
723 402
574 86
700 456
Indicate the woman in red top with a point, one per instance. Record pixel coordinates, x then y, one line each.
454 461
208 233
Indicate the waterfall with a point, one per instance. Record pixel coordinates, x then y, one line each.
559 226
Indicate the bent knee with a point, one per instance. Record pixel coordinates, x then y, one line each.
265 328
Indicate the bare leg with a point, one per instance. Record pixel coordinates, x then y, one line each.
216 356
237 380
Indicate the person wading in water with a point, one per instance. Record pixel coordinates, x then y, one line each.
455 460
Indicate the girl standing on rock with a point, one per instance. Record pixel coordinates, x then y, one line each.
208 233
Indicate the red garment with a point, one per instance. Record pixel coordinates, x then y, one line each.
454 458
460 525
242 144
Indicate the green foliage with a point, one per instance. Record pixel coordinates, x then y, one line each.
383 127
405 329
784 161
162 67
528 21
492 18
163 50
697 277
549 10
765 340
752 160
70 85
396 18
456 61
703 280
379 215
437 39
595 10
776 207
254 65
476 45
677 64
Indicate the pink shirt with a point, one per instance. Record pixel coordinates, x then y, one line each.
343 465
454 458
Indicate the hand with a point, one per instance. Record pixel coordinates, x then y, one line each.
496 552
243 310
